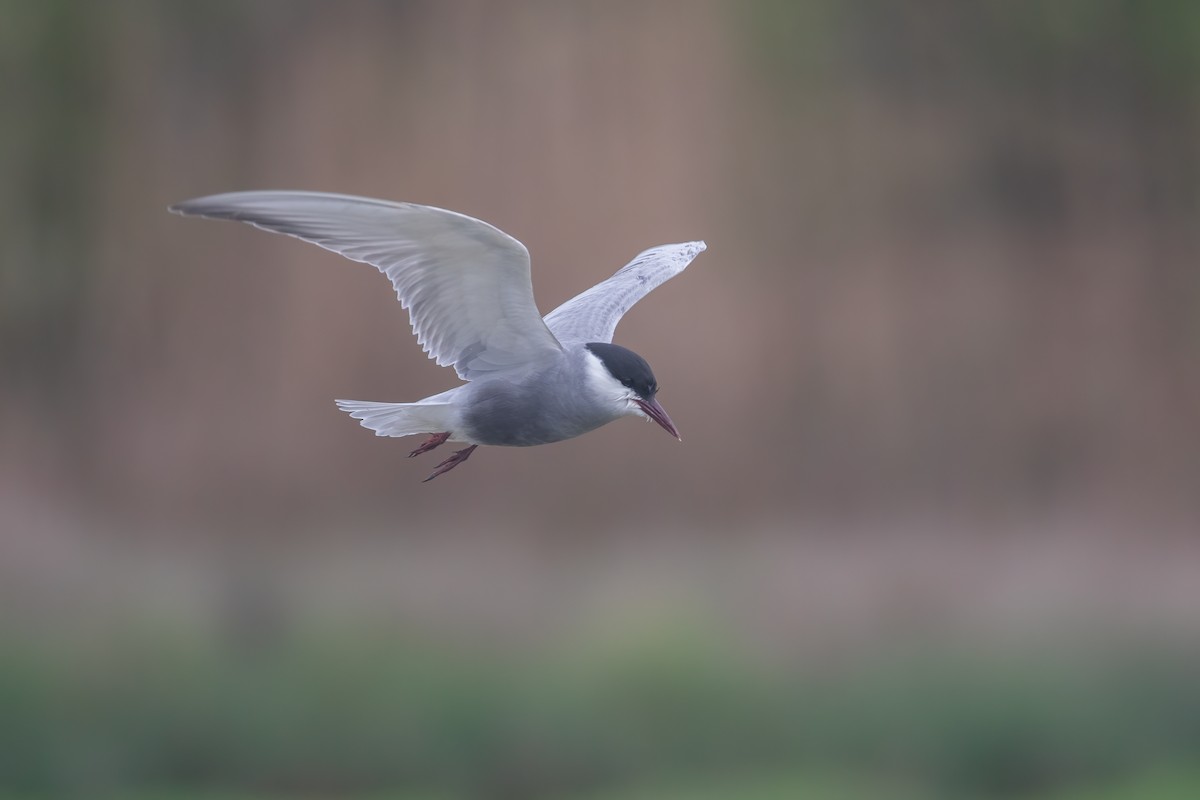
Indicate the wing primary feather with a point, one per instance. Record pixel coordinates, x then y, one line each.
592 316
466 284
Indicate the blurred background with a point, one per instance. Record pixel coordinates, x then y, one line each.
934 528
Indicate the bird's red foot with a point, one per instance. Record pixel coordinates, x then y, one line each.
453 461
433 441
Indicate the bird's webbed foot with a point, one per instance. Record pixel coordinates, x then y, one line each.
453 461
434 440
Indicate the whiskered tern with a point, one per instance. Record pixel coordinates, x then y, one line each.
466 284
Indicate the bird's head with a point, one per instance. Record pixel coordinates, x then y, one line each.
623 378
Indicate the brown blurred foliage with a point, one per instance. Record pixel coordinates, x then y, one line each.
952 252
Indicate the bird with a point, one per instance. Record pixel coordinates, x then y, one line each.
527 379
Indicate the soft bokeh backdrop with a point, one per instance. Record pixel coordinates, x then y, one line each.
934 529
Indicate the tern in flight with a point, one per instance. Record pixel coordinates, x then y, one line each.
529 379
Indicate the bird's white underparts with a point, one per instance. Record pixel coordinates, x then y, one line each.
528 379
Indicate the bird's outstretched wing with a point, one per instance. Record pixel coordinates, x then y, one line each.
465 284
593 315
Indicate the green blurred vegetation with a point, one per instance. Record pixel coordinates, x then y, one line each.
1152 43
661 717
52 146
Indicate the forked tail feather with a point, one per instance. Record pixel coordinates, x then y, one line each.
399 419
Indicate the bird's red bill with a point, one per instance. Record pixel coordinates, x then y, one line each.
659 414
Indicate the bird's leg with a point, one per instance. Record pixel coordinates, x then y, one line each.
433 441
453 461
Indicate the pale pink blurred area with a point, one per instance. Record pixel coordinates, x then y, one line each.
937 374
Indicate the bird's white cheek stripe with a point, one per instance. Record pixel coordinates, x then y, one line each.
603 383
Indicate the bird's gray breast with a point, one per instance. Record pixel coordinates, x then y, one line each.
546 406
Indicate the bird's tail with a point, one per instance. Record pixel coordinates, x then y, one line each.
399 419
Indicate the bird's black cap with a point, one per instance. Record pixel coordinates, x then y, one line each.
627 367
